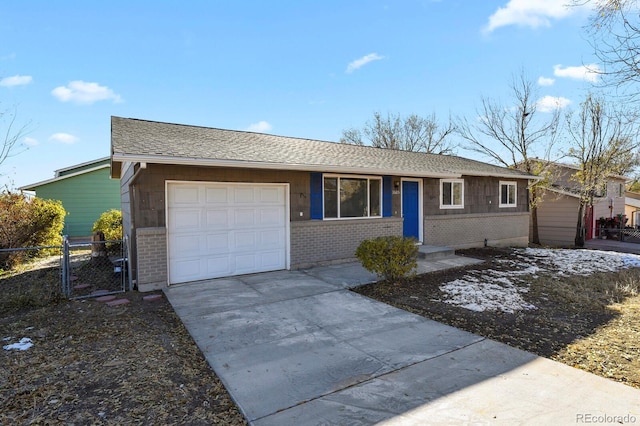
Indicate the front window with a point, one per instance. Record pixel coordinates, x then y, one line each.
451 193
508 194
351 197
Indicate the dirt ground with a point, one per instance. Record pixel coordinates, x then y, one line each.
136 363
591 323
95 364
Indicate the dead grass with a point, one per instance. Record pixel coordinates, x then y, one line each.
588 322
94 364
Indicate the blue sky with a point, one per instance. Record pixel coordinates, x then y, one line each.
295 68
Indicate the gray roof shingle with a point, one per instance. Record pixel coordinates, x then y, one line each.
156 142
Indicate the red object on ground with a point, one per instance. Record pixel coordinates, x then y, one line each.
118 302
152 297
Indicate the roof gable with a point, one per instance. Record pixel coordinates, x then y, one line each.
155 142
69 173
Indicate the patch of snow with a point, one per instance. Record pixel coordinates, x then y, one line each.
24 344
475 295
502 290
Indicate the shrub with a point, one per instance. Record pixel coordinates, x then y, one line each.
110 224
390 258
28 223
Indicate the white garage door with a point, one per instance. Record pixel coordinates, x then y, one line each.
223 229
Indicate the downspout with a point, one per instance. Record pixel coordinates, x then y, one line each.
132 218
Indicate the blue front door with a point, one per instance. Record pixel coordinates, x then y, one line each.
410 210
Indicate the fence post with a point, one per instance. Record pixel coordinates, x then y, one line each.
66 288
127 263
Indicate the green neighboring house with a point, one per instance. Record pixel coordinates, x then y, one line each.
86 191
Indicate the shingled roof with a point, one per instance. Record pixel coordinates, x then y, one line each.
144 141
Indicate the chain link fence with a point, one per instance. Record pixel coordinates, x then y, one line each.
95 268
84 269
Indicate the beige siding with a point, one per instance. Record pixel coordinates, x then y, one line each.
557 219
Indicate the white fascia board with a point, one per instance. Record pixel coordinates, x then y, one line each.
273 166
58 179
503 175
64 169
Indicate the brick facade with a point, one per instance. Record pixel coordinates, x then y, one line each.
152 258
317 241
471 230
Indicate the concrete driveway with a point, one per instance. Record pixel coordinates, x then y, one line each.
299 348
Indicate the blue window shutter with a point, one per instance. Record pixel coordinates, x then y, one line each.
316 196
387 205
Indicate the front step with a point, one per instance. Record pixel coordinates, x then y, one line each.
435 252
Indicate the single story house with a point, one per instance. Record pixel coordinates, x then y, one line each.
86 191
558 210
200 203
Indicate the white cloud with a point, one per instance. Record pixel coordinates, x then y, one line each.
546 81
551 103
83 92
30 141
16 80
583 72
260 126
529 13
360 62
64 138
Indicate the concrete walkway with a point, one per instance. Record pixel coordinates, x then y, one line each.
299 348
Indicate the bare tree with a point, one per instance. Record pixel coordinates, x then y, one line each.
615 36
602 143
10 134
516 135
413 133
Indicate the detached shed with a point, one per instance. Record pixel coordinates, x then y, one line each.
86 190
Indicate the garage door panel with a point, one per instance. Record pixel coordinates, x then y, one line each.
217 243
246 263
271 239
186 219
187 269
186 245
244 240
271 259
218 266
216 195
271 195
244 195
271 217
244 218
224 229
217 219
186 195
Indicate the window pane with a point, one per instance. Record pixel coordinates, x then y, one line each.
504 196
374 197
446 193
353 198
512 194
330 197
457 193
